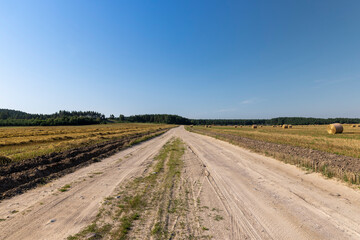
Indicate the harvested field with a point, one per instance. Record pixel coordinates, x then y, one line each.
286 147
23 175
312 137
19 143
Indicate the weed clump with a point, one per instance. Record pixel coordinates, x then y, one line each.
65 188
5 160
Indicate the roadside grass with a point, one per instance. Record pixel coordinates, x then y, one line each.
20 143
124 211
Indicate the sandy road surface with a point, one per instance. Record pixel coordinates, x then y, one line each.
264 198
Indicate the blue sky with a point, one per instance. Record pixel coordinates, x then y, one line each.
198 59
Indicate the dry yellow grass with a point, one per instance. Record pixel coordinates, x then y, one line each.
314 137
20 143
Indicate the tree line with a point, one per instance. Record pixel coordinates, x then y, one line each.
157 118
276 121
19 118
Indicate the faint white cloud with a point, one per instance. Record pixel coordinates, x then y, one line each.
248 101
328 82
251 101
237 107
226 110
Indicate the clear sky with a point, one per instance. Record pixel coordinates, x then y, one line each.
198 59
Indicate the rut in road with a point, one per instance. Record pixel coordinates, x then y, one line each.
262 198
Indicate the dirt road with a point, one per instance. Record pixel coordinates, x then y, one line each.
262 197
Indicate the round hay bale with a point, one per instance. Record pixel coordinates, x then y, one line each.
191 126
353 126
335 128
289 126
254 126
285 126
235 126
273 126
359 125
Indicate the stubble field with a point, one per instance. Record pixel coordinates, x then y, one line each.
313 137
19 143
310 147
30 156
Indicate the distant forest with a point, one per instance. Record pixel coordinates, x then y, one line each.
158 118
275 121
19 118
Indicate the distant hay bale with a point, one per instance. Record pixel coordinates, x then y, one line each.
273 126
353 126
335 128
359 125
285 126
191 126
4 160
235 126
289 126
253 126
